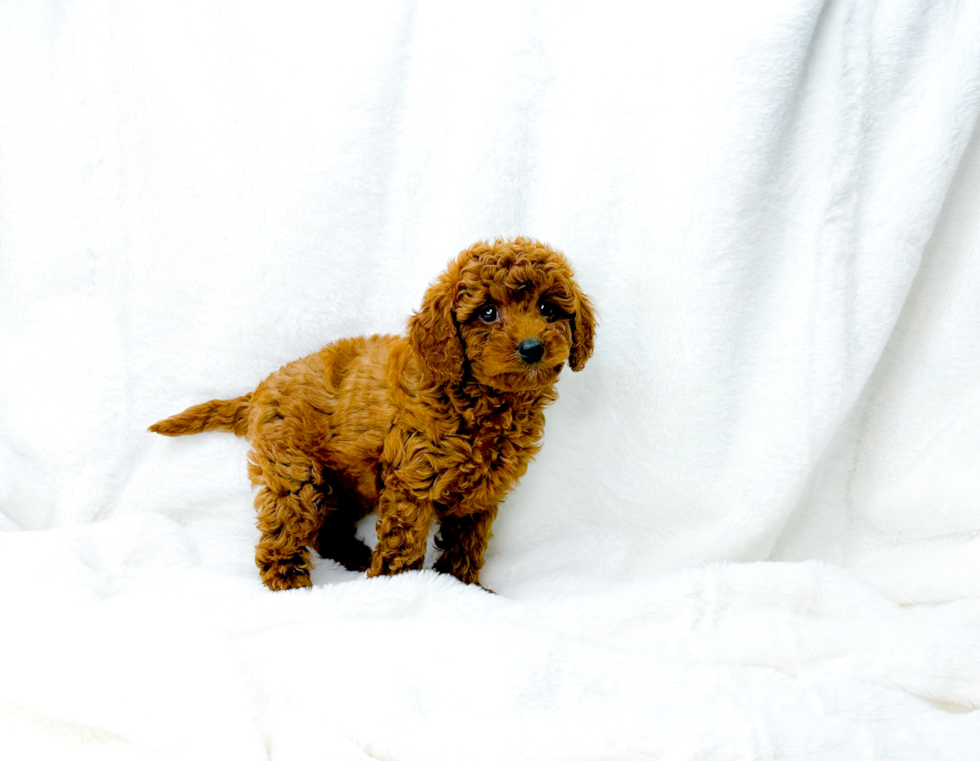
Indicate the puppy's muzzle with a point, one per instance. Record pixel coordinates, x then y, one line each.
531 350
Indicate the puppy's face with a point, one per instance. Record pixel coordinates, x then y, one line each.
509 313
516 334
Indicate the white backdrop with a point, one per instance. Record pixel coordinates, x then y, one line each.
753 531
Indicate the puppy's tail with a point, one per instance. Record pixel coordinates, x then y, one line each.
217 415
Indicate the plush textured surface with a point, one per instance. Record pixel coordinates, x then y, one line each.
753 528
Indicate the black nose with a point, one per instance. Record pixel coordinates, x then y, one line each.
531 350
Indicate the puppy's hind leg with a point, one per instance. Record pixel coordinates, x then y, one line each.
290 513
337 537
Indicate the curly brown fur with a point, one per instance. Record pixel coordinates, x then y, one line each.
438 426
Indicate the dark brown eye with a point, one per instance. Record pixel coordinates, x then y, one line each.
487 314
548 310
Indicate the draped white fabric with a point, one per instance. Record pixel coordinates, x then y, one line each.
754 528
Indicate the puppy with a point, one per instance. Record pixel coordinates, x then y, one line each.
435 426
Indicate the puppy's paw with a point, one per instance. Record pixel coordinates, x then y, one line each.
389 565
285 575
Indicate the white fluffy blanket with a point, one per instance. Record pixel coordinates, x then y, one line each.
754 529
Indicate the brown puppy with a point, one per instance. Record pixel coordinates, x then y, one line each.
438 426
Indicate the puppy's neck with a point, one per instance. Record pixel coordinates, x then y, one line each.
474 402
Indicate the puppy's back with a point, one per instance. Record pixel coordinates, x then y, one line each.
337 403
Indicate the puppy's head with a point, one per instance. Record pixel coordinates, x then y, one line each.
508 313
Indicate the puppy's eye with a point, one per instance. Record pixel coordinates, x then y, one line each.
548 310
487 314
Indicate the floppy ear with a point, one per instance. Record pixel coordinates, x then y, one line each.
583 332
433 333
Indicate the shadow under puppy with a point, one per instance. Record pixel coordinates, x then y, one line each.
438 426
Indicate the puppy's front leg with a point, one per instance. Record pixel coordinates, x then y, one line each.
403 532
463 541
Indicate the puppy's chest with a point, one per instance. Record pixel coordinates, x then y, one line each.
484 460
